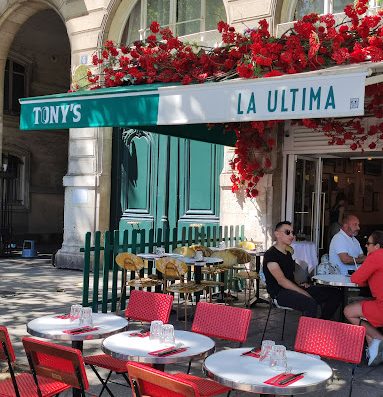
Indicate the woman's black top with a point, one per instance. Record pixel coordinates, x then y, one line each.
285 262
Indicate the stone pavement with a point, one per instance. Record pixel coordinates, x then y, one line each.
30 288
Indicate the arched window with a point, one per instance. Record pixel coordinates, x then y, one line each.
305 7
183 16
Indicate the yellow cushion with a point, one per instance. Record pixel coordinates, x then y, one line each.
246 245
185 251
228 258
242 255
171 267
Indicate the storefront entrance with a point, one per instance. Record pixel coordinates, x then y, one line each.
320 188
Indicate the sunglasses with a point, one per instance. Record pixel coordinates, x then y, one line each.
288 232
369 243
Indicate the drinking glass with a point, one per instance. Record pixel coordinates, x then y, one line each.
160 251
266 349
167 335
222 245
86 318
156 330
75 312
198 256
278 359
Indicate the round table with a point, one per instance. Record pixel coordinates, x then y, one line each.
335 280
126 347
246 373
52 327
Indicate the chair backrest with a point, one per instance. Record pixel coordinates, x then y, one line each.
6 348
220 321
129 261
229 259
330 339
242 256
171 267
185 251
147 381
149 306
57 362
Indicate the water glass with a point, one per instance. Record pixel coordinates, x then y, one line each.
160 251
86 318
222 245
266 349
198 256
75 312
155 330
278 359
167 335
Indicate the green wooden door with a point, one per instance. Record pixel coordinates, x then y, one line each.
163 181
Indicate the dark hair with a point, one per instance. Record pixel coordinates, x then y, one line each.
377 237
340 196
279 224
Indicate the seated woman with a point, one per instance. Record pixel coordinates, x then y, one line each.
278 268
370 273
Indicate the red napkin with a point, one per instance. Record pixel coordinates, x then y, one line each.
255 354
81 330
63 316
274 381
140 334
179 350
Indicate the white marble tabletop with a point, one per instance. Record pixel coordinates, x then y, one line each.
52 327
246 373
126 347
336 280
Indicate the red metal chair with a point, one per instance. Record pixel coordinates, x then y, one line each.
330 339
222 322
147 381
142 306
23 385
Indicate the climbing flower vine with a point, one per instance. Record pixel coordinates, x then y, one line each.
314 42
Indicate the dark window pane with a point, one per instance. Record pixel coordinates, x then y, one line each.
6 91
17 68
215 12
18 92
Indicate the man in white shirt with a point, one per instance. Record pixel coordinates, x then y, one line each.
345 249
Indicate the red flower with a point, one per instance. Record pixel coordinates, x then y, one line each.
245 70
155 27
273 73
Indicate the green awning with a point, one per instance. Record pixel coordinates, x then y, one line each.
187 111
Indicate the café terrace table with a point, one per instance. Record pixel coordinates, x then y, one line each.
126 347
336 280
248 374
198 265
52 327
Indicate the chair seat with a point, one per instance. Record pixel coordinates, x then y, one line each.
144 282
206 387
212 283
107 362
27 386
186 288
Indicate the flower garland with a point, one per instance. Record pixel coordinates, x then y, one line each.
314 42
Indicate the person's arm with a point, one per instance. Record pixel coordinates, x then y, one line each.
364 272
277 273
349 260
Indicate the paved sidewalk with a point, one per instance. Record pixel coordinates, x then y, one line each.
30 288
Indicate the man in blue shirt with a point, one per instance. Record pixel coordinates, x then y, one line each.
345 250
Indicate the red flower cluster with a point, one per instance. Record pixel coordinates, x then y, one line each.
314 42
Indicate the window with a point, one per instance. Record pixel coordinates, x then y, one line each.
14 86
14 166
304 7
184 17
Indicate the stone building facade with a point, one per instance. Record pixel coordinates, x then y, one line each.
65 176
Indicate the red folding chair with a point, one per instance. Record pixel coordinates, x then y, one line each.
222 322
23 385
142 306
331 339
147 381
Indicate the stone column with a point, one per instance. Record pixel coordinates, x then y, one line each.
87 183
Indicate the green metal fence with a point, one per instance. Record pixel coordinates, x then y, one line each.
101 281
